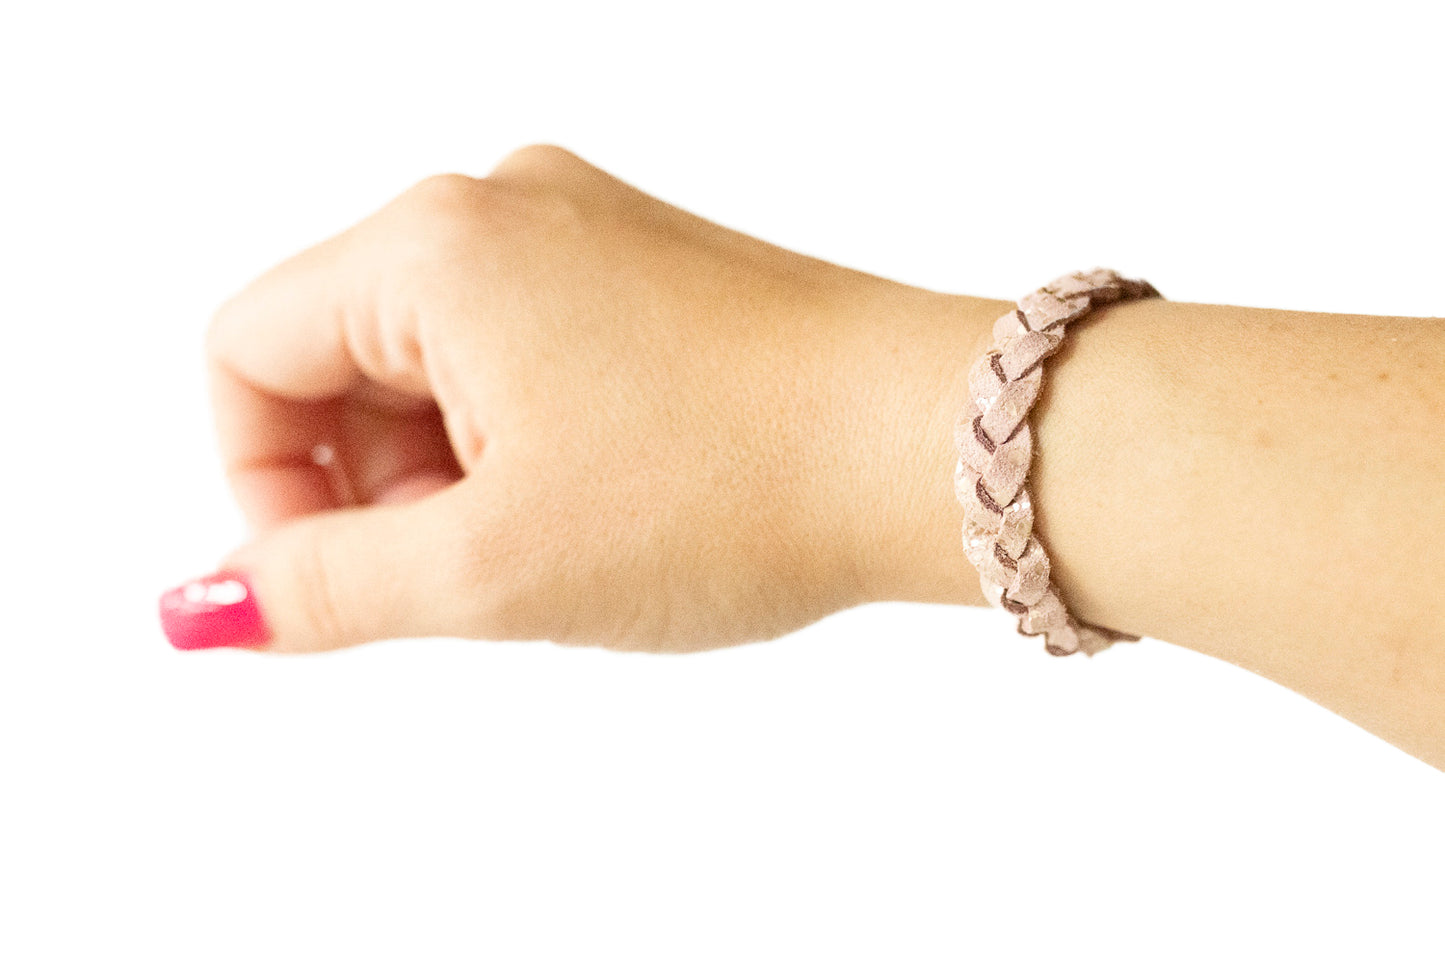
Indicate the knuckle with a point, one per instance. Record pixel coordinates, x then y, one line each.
219 336
214 345
449 213
535 192
434 211
428 225
440 193
539 161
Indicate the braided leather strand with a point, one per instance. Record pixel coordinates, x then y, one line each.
995 447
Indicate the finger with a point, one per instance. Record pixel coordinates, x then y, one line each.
284 350
336 579
381 446
274 450
294 331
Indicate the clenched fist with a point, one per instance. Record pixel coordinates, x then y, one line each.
542 404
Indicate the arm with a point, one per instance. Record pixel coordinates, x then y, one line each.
554 407
1265 487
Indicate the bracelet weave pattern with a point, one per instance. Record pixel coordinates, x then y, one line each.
995 448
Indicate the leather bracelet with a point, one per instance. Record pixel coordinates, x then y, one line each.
995 447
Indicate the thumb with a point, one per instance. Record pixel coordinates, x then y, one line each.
335 579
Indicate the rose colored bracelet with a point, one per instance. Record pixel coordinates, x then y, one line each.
995 448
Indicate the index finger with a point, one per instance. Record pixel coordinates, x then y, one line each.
284 352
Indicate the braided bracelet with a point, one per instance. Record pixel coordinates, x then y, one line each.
995 448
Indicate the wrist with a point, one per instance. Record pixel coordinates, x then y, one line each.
907 359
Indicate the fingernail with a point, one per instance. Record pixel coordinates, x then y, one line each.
217 610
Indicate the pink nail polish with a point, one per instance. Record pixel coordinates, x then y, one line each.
217 610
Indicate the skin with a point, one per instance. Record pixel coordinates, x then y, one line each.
558 408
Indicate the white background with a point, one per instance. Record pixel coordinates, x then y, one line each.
897 782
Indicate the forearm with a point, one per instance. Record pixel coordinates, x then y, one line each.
1267 487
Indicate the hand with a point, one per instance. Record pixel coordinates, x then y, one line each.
555 407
